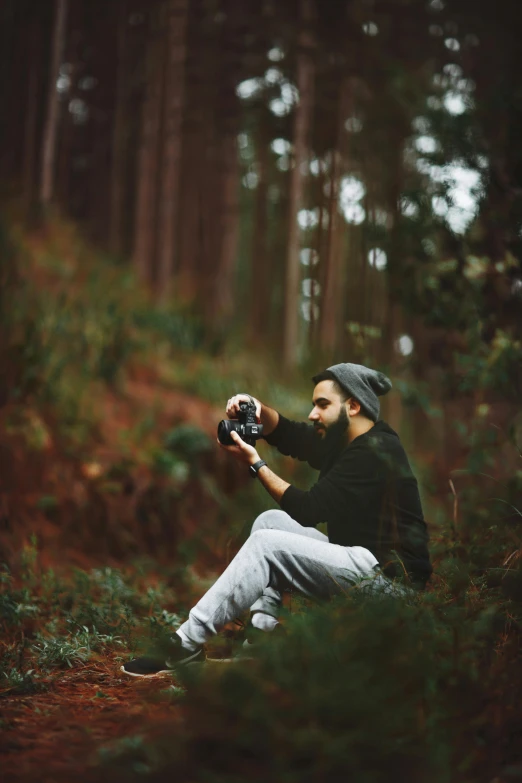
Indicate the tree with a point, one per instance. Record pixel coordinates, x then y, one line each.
331 312
305 78
174 99
50 135
119 134
149 161
31 114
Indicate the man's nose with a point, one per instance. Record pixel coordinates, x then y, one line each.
314 414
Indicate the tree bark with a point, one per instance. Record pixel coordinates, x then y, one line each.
331 318
260 278
30 135
172 144
149 161
225 225
51 123
119 137
223 300
305 77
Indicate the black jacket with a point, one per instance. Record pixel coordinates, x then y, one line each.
366 494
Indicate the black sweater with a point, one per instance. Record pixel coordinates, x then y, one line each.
366 494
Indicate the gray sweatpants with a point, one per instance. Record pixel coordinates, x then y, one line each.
280 554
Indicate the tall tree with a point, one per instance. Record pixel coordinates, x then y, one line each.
50 135
119 134
174 99
261 279
221 278
331 315
149 161
305 79
31 115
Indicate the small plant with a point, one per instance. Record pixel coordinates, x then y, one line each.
62 651
16 605
19 683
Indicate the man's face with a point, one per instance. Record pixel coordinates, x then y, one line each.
329 415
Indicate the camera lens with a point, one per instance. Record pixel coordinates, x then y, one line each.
223 432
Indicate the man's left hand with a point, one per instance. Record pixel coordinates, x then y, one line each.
241 450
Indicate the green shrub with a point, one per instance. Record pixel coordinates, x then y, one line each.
363 689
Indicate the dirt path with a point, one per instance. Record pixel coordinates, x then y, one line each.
56 735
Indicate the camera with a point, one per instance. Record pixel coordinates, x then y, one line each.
245 425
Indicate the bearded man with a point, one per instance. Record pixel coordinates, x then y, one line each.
366 494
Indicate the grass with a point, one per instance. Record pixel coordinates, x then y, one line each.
51 622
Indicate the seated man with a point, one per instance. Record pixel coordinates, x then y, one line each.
366 494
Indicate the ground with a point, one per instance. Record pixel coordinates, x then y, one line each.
57 735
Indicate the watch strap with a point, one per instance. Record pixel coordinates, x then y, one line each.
254 469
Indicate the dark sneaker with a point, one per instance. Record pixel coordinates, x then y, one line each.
149 666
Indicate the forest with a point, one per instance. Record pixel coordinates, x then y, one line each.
206 197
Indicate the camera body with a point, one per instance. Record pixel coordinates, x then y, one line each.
245 425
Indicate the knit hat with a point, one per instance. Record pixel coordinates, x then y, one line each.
364 384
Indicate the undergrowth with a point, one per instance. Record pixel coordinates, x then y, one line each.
51 622
365 688
91 371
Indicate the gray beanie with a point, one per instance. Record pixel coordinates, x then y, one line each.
365 384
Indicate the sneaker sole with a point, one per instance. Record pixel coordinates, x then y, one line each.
154 674
184 662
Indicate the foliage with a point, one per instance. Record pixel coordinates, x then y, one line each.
54 622
16 682
353 689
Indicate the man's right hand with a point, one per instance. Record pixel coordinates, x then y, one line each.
232 408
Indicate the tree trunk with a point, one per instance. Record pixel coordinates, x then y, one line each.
148 161
172 144
305 76
30 135
225 212
330 301
119 137
63 184
223 298
260 278
332 320
51 123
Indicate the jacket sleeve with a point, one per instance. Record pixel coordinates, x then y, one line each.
338 494
298 440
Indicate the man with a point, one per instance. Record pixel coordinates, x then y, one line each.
366 494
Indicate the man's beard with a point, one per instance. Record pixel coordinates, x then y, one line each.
335 434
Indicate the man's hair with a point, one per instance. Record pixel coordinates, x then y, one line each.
327 375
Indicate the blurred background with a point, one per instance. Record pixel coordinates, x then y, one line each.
213 196
282 186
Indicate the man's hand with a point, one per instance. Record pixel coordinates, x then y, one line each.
241 450
247 454
232 409
266 416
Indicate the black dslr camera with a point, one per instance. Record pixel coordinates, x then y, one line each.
245 425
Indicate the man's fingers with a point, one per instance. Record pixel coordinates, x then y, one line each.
232 406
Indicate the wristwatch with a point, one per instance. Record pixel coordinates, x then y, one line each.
254 469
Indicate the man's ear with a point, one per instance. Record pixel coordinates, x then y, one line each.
353 406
